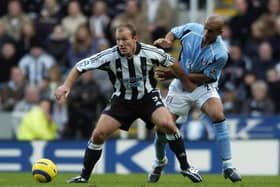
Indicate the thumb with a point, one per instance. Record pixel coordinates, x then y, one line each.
67 93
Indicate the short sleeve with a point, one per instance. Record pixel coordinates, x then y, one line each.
214 69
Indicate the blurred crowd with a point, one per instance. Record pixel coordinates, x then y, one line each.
40 40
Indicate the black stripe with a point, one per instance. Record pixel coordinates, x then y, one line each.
112 77
180 53
184 33
119 76
43 173
105 66
144 71
132 76
155 62
152 79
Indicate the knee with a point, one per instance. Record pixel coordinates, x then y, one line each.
217 116
167 126
98 137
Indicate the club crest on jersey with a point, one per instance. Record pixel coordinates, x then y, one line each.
203 62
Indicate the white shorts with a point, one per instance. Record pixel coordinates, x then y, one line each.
179 101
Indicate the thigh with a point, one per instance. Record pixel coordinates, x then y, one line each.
106 125
204 93
179 103
213 107
121 111
146 108
163 119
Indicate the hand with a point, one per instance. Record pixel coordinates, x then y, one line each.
61 93
162 42
164 74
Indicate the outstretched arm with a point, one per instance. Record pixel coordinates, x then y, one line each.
63 91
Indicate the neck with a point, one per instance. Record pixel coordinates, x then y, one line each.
207 42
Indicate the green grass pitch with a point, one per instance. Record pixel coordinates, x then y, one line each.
136 180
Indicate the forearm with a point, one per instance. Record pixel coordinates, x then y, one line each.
170 37
199 78
184 78
72 77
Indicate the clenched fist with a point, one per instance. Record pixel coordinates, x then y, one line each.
61 93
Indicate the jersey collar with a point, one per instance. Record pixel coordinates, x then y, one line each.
138 48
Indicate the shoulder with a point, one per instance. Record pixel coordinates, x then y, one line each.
107 53
25 60
151 48
181 30
221 49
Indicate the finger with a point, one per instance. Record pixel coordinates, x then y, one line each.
57 97
66 94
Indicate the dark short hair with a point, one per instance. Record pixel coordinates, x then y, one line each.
129 26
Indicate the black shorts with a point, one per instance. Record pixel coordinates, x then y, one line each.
128 111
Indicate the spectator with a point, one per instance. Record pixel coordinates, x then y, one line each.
15 19
277 39
36 63
13 90
49 17
84 45
8 59
28 34
60 116
236 67
273 82
134 15
260 103
160 17
4 37
50 83
30 99
261 34
56 45
116 7
231 103
38 124
87 103
245 90
265 60
74 19
99 20
273 8
241 22
227 35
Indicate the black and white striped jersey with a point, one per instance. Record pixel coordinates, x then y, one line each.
133 77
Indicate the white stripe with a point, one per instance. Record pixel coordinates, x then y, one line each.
10 152
69 167
69 153
10 167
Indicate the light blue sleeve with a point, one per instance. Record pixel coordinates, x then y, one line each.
181 30
214 69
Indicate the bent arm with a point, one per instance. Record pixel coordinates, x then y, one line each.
165 42
72 77
62 92
188 84
199 78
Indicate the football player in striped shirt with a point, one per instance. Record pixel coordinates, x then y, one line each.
130 66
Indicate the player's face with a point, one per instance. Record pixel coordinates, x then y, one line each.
125 42
211 31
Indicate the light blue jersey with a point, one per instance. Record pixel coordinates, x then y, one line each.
209 60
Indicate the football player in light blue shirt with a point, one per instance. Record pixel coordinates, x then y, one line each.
202 57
